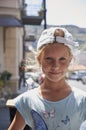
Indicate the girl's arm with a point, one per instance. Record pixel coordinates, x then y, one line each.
18 122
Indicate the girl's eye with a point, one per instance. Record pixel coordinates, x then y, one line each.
48 59
62 59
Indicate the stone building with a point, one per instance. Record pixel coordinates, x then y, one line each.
12 21
11 38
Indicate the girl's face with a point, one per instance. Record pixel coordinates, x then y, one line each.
55 60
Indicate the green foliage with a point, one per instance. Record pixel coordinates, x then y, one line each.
1 83
4 77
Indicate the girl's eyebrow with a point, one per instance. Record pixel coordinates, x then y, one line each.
62 57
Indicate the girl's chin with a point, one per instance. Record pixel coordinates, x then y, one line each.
53 79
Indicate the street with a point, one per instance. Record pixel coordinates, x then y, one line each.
4 113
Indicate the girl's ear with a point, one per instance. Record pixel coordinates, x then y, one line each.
70 59
39 60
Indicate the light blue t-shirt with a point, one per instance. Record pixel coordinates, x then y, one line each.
41 114
83 126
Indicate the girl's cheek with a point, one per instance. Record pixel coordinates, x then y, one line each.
45 67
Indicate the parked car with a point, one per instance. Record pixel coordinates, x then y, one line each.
77 75
83 79
74 76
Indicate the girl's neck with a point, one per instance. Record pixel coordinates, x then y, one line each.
49 85
54 91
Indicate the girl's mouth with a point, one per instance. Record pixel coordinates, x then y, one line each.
55 73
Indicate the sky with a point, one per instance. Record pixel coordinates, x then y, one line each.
61 12
66 12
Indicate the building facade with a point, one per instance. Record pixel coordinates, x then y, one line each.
13 17
11 38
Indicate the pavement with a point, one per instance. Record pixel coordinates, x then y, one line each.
4 118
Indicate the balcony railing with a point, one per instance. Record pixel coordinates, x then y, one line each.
33 12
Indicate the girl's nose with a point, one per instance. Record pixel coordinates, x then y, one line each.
55 63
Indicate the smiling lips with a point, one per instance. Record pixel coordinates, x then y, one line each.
55 73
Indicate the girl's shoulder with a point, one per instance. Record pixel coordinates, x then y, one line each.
79 94
78 91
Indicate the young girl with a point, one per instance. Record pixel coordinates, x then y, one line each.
54 105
